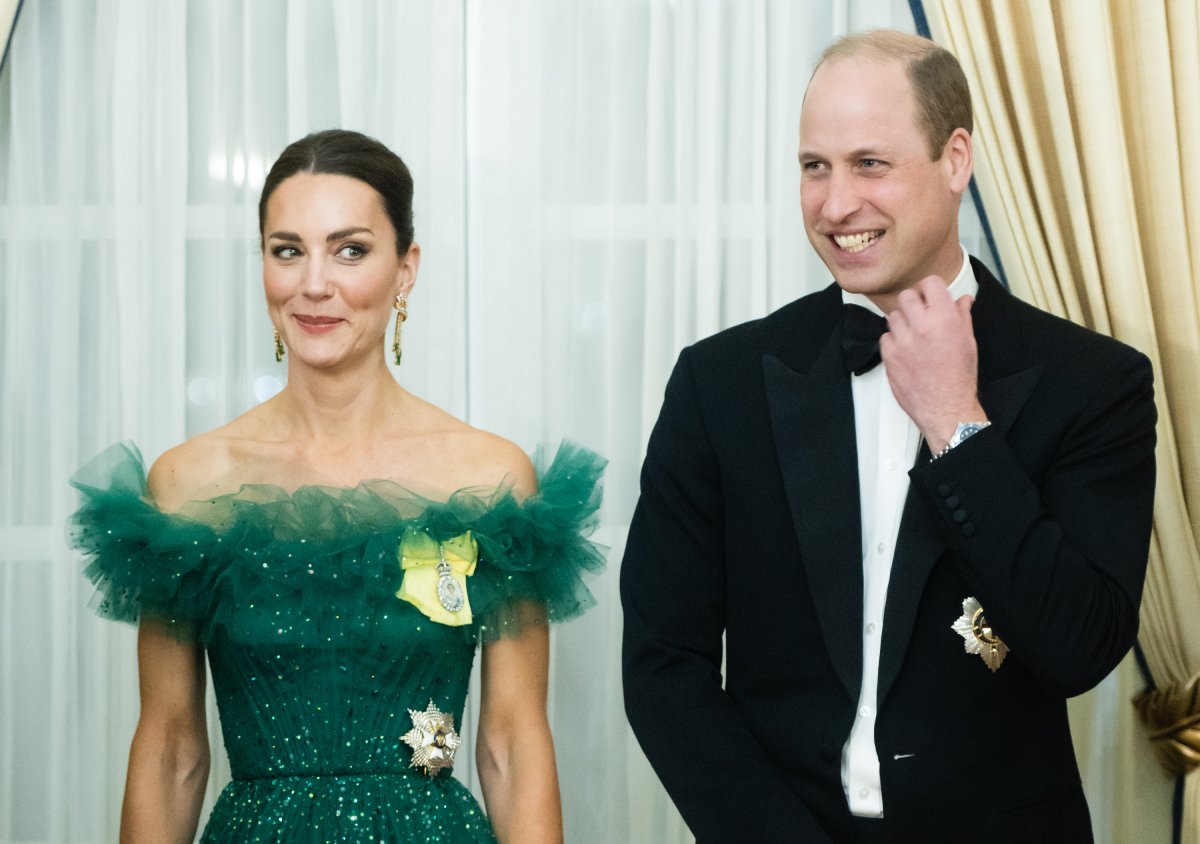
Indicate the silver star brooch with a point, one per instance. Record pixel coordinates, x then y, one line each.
432 739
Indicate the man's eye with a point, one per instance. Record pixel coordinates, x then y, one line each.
871 163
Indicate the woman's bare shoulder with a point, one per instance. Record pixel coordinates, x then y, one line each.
458 455
190 471
206 465
496 460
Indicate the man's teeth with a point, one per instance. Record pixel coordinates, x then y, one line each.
856 242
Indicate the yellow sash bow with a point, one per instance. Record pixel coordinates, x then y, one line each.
420 555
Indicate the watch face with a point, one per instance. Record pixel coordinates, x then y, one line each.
966 429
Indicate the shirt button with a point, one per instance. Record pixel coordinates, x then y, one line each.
871 628
865 711
890 464
880 547
864 792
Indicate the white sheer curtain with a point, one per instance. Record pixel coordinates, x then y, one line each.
598 183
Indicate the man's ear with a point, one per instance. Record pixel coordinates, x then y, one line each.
958 158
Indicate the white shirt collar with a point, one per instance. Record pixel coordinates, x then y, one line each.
964 284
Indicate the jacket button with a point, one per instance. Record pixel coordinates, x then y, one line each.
959 515
943 490
827 753
952 501
968 529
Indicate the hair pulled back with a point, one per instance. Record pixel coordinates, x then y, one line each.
342 152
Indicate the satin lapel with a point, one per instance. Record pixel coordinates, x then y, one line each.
920 543
812 416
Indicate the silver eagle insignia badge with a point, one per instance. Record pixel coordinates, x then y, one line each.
978 636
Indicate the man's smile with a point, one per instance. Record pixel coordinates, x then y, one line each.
856 242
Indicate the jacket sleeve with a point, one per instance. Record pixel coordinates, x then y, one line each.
1058 565
674 599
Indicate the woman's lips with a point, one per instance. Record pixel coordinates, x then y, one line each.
317 324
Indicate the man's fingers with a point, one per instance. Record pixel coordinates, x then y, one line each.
910 300
934 289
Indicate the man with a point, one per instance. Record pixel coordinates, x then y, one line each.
911 565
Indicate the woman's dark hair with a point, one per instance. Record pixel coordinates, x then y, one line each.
345 153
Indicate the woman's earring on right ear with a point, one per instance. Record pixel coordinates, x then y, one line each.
401 306
278 346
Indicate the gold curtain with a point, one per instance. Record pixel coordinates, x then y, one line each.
1087 141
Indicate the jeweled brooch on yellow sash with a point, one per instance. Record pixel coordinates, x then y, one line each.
979 637
432 739
435 575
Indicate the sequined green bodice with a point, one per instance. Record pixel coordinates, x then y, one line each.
314 738
315 661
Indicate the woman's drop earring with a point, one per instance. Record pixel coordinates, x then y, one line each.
278 346
401 306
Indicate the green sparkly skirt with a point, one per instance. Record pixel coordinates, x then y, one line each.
384 807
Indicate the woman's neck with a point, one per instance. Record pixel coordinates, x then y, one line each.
339 408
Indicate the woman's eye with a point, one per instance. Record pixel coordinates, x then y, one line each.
285 251
352 250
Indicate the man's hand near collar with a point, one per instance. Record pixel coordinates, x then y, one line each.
932 361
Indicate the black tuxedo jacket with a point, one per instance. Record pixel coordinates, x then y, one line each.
747 534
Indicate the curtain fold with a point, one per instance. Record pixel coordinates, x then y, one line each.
1087 114
9 12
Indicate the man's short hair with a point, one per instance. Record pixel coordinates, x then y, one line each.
938 82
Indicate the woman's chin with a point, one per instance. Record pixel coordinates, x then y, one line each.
340 358
321 358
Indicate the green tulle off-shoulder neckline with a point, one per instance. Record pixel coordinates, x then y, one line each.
328 555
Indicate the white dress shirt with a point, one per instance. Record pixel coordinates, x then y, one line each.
888 441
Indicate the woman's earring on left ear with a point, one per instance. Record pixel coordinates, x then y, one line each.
401 306
278 346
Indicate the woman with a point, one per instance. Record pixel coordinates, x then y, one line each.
338 552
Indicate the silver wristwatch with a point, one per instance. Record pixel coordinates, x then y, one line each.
962 432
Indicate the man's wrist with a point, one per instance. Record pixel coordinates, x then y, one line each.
940 430
962 432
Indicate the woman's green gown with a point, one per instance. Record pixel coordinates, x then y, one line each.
316 663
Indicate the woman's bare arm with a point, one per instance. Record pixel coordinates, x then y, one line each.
168 761
515 751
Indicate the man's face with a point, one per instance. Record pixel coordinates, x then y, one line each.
881 214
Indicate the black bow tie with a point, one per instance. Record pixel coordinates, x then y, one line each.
861 330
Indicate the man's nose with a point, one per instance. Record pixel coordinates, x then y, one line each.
841 197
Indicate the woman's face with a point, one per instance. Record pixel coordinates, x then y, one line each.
330 268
